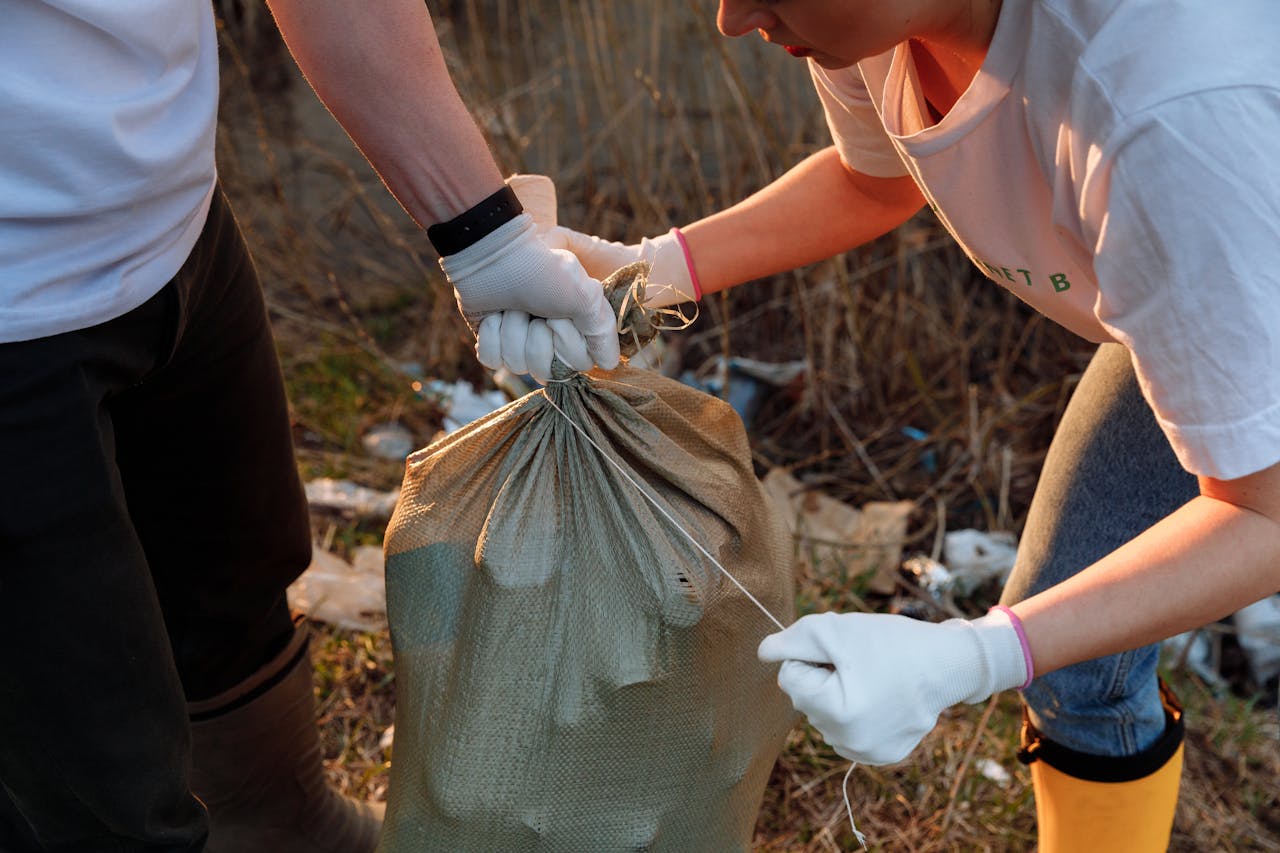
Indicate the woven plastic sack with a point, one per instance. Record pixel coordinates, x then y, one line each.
572 673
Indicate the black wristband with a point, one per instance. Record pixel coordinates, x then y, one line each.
473 225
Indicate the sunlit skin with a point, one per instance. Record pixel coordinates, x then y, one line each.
384 76
839 33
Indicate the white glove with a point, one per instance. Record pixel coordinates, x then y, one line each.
874 684
671 279
513 270
526 345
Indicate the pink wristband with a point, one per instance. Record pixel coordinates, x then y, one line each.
688 262
1022 641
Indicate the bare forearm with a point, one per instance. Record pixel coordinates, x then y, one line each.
379 70
816 210
1208 559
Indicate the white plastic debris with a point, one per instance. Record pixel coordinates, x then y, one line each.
973 558
346 496
463 403
777 374
931 575
1194 650
369 560
993 770
349 595
389 441
1258 633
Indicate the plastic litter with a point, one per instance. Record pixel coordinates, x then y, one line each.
973 557
748 381
929 574
1194 650
349 595
352 498
835 538
389 441
777 374
1258 633
993 770
463 403
929 459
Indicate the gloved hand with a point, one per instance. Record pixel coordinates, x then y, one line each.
889 677
672 279
513 270
525 343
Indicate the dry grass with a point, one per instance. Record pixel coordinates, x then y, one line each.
647 118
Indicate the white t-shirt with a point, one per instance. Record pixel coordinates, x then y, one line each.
1115 164
107 118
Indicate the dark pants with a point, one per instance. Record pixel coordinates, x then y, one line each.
151 517
1110 474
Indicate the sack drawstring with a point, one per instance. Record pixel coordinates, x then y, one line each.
664 512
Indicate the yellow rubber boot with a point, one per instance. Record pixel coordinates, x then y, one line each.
1101 804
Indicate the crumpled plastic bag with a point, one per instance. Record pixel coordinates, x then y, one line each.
350 595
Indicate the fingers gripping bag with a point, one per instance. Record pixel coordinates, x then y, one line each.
573 673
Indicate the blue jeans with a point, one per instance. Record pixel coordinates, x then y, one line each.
1109 475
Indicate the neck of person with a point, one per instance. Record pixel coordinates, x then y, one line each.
947 64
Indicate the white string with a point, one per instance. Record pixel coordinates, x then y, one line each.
844 786
666 514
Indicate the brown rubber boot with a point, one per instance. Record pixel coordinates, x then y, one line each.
256 766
